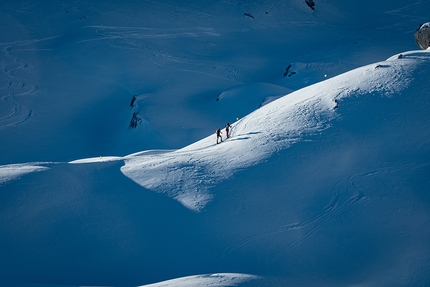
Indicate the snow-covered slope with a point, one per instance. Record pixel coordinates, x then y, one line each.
70 70
188 174
324 181
304 192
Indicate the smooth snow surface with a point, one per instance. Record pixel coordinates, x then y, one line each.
110 174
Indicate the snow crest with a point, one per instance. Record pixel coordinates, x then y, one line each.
219 279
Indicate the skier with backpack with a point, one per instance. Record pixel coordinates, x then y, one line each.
227 129
218 135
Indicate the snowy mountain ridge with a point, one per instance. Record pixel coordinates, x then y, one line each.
188 174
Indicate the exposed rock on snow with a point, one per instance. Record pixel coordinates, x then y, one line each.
310 3
135 120
422 36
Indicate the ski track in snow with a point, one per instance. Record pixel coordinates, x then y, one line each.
408 13
12 112
333 208
325 216
136 38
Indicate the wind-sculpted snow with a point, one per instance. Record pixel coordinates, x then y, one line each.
188 174
14 171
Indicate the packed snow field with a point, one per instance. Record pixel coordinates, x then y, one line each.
110 171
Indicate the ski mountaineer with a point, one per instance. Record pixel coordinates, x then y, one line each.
218 135
227 129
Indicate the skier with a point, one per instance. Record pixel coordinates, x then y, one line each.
218 135
227 129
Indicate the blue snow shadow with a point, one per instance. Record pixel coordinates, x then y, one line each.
243 136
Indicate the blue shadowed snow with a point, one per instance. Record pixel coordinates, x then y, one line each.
324 181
